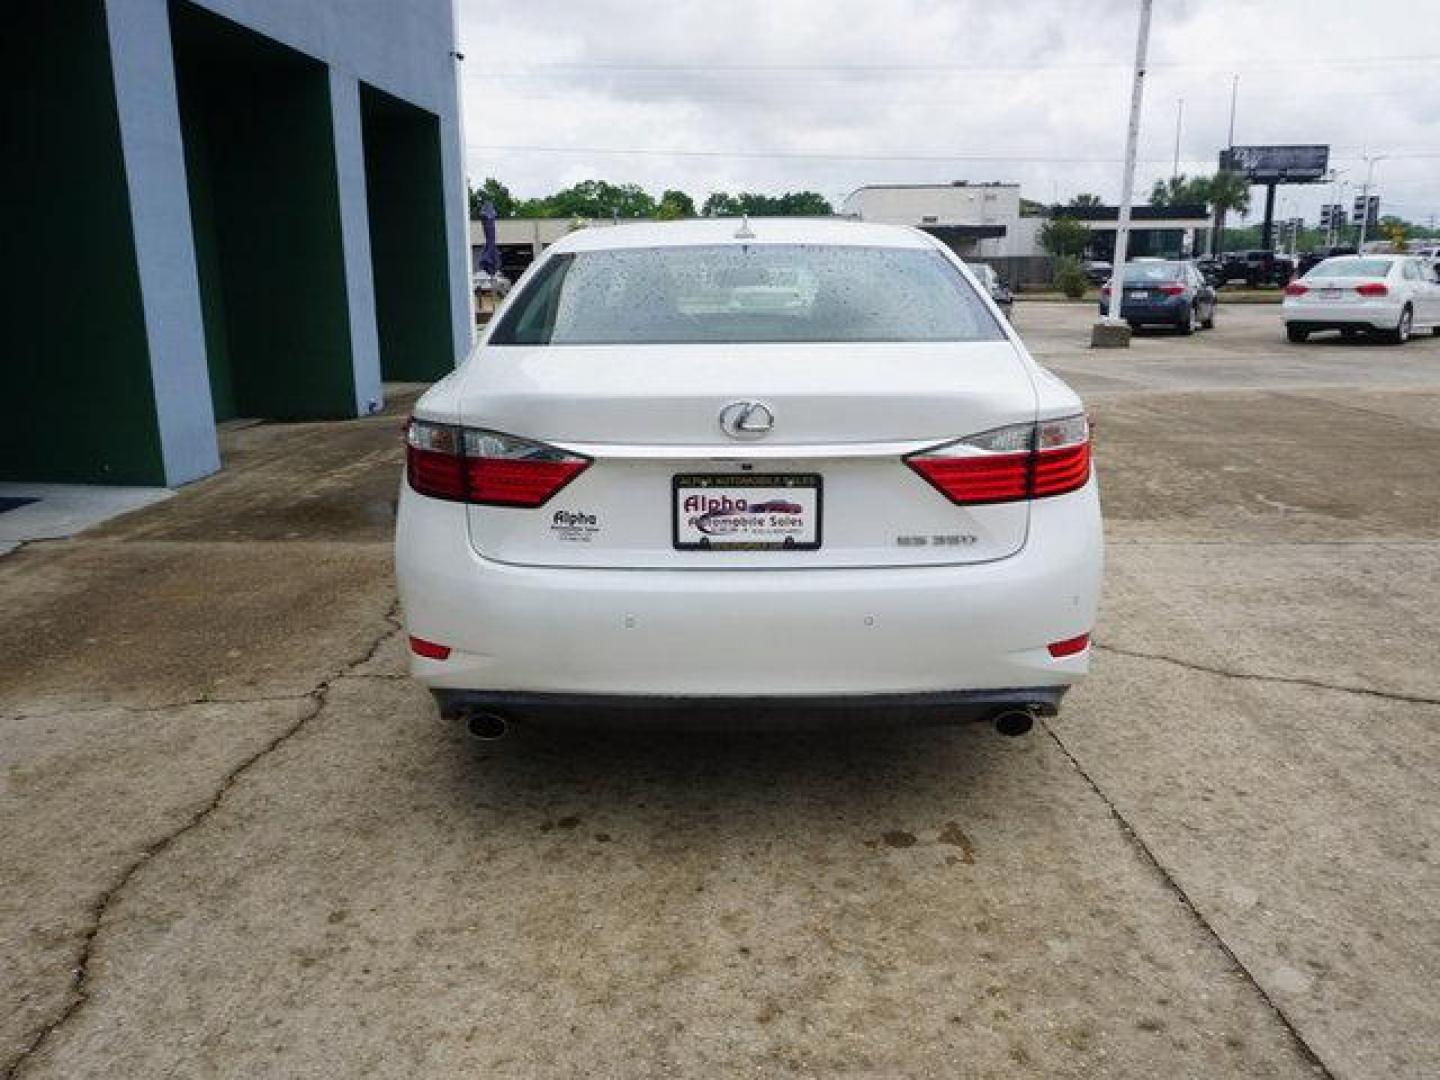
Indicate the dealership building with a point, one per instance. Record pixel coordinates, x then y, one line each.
975 220
985 222
220 209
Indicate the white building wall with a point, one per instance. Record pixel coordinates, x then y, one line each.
936 204
1022 237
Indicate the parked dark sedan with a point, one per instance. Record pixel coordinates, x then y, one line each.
995 285
1164 292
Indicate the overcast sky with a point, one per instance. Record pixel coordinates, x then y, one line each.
829 95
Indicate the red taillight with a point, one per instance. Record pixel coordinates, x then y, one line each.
1372 288
428 649
1296 289
433 461
993 478
485 467
505 482
1070 646
1061 470
1022 461
1173 289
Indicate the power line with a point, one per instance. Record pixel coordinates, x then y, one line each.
700 66
932 156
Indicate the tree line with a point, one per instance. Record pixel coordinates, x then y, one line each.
601 199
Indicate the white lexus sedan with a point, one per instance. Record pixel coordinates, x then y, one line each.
721 471
1391 296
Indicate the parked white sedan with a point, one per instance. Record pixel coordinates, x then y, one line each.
1389 295
659 486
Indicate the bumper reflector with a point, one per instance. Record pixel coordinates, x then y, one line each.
1070 646
431 651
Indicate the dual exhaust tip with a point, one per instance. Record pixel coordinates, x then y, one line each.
486 726
490 726
1013 722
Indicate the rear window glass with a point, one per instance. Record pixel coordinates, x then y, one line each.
1351 268
1153 271
746 293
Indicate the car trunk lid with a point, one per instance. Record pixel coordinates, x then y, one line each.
844 417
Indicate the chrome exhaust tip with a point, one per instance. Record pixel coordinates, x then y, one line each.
486 726
1014 722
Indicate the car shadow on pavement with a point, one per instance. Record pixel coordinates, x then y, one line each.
791 786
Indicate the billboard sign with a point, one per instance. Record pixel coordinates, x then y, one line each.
1277 164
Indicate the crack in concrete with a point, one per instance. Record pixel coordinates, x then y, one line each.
1284 680
1306 1050
80 973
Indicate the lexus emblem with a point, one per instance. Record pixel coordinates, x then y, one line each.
746 419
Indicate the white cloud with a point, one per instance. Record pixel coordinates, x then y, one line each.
861 80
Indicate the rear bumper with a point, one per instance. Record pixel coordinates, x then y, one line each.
749 634
1171 311
730 713
1375 315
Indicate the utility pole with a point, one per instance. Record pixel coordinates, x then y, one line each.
1112 330
1179 119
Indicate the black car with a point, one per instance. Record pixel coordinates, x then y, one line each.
1212 269
1312 259
1166 292
1256 268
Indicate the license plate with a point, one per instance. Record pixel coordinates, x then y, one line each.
1330 294
1139 294
744 512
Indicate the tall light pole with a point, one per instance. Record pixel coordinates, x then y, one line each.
1179 120
1111 330
1234 89
1365 196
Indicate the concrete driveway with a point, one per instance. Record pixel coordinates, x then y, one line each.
236 841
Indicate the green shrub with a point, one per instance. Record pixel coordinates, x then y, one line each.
1070 277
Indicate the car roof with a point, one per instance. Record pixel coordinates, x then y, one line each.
706 231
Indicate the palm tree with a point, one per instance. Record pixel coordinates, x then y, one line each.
1226 191
1180 190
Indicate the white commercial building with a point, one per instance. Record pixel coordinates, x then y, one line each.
976 220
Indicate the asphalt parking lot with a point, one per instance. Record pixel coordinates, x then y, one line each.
236 841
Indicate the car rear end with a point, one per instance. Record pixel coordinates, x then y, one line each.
689 471
1344 293
1155 294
